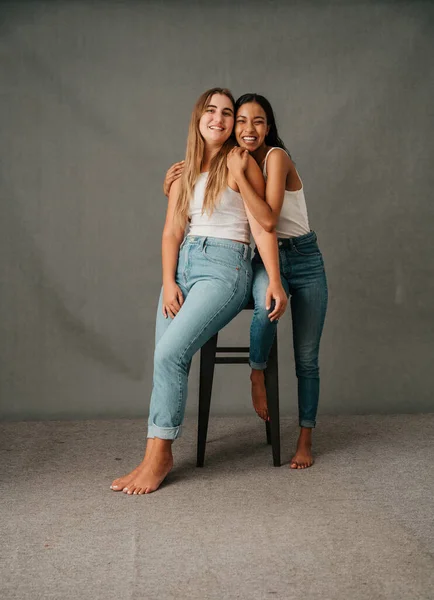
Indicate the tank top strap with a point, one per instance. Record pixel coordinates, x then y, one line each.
264 170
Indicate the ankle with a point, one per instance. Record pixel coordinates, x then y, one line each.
256 375
305 434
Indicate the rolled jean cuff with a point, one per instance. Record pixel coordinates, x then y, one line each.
306 423
258 366
164 433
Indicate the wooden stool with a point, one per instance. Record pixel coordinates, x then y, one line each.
208 359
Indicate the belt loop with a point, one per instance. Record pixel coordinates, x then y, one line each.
203 243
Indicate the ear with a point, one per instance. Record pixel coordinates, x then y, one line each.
268 129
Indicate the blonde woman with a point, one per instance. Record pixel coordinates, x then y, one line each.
207 275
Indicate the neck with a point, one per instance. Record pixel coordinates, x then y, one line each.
208 154
260 153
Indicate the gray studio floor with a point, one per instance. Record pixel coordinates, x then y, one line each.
357 525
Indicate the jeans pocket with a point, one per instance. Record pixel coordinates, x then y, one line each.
223 255
307 250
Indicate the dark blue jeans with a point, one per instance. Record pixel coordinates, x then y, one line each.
304 279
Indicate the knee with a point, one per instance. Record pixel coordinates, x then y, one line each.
260 315
165 356
306 365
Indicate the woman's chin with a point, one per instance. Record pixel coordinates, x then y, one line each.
249 147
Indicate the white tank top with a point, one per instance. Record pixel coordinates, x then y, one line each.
228 220
293 220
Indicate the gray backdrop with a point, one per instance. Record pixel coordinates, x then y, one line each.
95 102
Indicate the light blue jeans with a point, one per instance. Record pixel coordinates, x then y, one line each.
215 276
303 277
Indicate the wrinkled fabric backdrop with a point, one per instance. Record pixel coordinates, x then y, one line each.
95 103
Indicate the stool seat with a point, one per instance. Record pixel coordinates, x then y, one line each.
208 360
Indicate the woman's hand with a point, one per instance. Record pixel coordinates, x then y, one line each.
172 300
237 161
172 175
276 292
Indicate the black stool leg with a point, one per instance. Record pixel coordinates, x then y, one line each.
272 387
268 432
207 362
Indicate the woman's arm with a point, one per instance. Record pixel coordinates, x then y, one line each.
267 214
266 243
172 237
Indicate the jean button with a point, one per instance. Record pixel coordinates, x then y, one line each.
280 243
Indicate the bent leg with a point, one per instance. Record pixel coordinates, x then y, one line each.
262 333
262 330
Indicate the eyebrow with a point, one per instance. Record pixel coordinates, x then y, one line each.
225 108
254 118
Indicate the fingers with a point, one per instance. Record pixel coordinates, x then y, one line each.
176 167
275 313
173 307
238 150
268 299
170 178
169 311
172 175
279 309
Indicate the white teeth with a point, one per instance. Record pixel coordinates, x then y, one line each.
249 139
217 128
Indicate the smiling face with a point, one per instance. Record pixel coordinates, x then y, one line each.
217 121
251 126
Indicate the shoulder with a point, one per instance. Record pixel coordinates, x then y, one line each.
278 159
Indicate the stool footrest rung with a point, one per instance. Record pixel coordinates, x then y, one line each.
233 349
231 360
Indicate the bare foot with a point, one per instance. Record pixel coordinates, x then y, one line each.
259 393
153 470
119 483
303 455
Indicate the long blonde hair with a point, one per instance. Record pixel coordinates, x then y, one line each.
218 173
